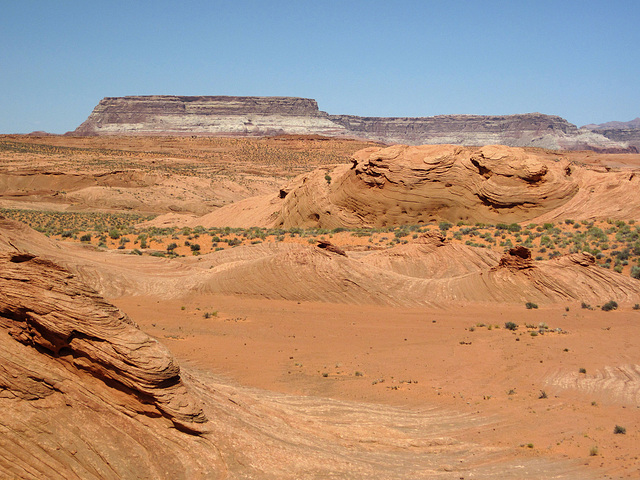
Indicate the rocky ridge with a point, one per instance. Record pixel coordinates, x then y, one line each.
628 132
260 116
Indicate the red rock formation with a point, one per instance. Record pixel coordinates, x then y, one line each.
410 185
44 306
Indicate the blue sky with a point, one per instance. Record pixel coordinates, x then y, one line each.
576 59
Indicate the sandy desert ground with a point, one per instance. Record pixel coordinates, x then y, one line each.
410 355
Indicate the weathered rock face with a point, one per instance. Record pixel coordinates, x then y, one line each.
417 184
259 116
44 306
83 390
630 136
409 185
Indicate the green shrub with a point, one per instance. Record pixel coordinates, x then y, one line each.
511 326
530 305
610 305
618 430
86 237
444 226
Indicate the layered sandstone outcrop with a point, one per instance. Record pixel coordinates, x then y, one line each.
259 116
418 184
44 306
85 393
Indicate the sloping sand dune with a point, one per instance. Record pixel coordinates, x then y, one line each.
432 257
429 273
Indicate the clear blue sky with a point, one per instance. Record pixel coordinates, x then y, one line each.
576 59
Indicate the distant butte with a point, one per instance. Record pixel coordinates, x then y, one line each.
263 116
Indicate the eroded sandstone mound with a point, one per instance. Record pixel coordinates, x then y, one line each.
85 393
411 185
431 256
431 272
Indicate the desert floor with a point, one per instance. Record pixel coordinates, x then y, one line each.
458 359
561 387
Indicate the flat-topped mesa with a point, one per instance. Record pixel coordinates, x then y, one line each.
208 115
261 116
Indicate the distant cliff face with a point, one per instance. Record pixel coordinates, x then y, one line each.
628 132
630 136
259 116
531 129
221 115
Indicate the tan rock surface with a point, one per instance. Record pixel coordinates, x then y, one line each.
422 379
44 306
411 185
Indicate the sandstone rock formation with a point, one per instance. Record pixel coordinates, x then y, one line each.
45 307
85 393
412 185
259 116
431 256
409 185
